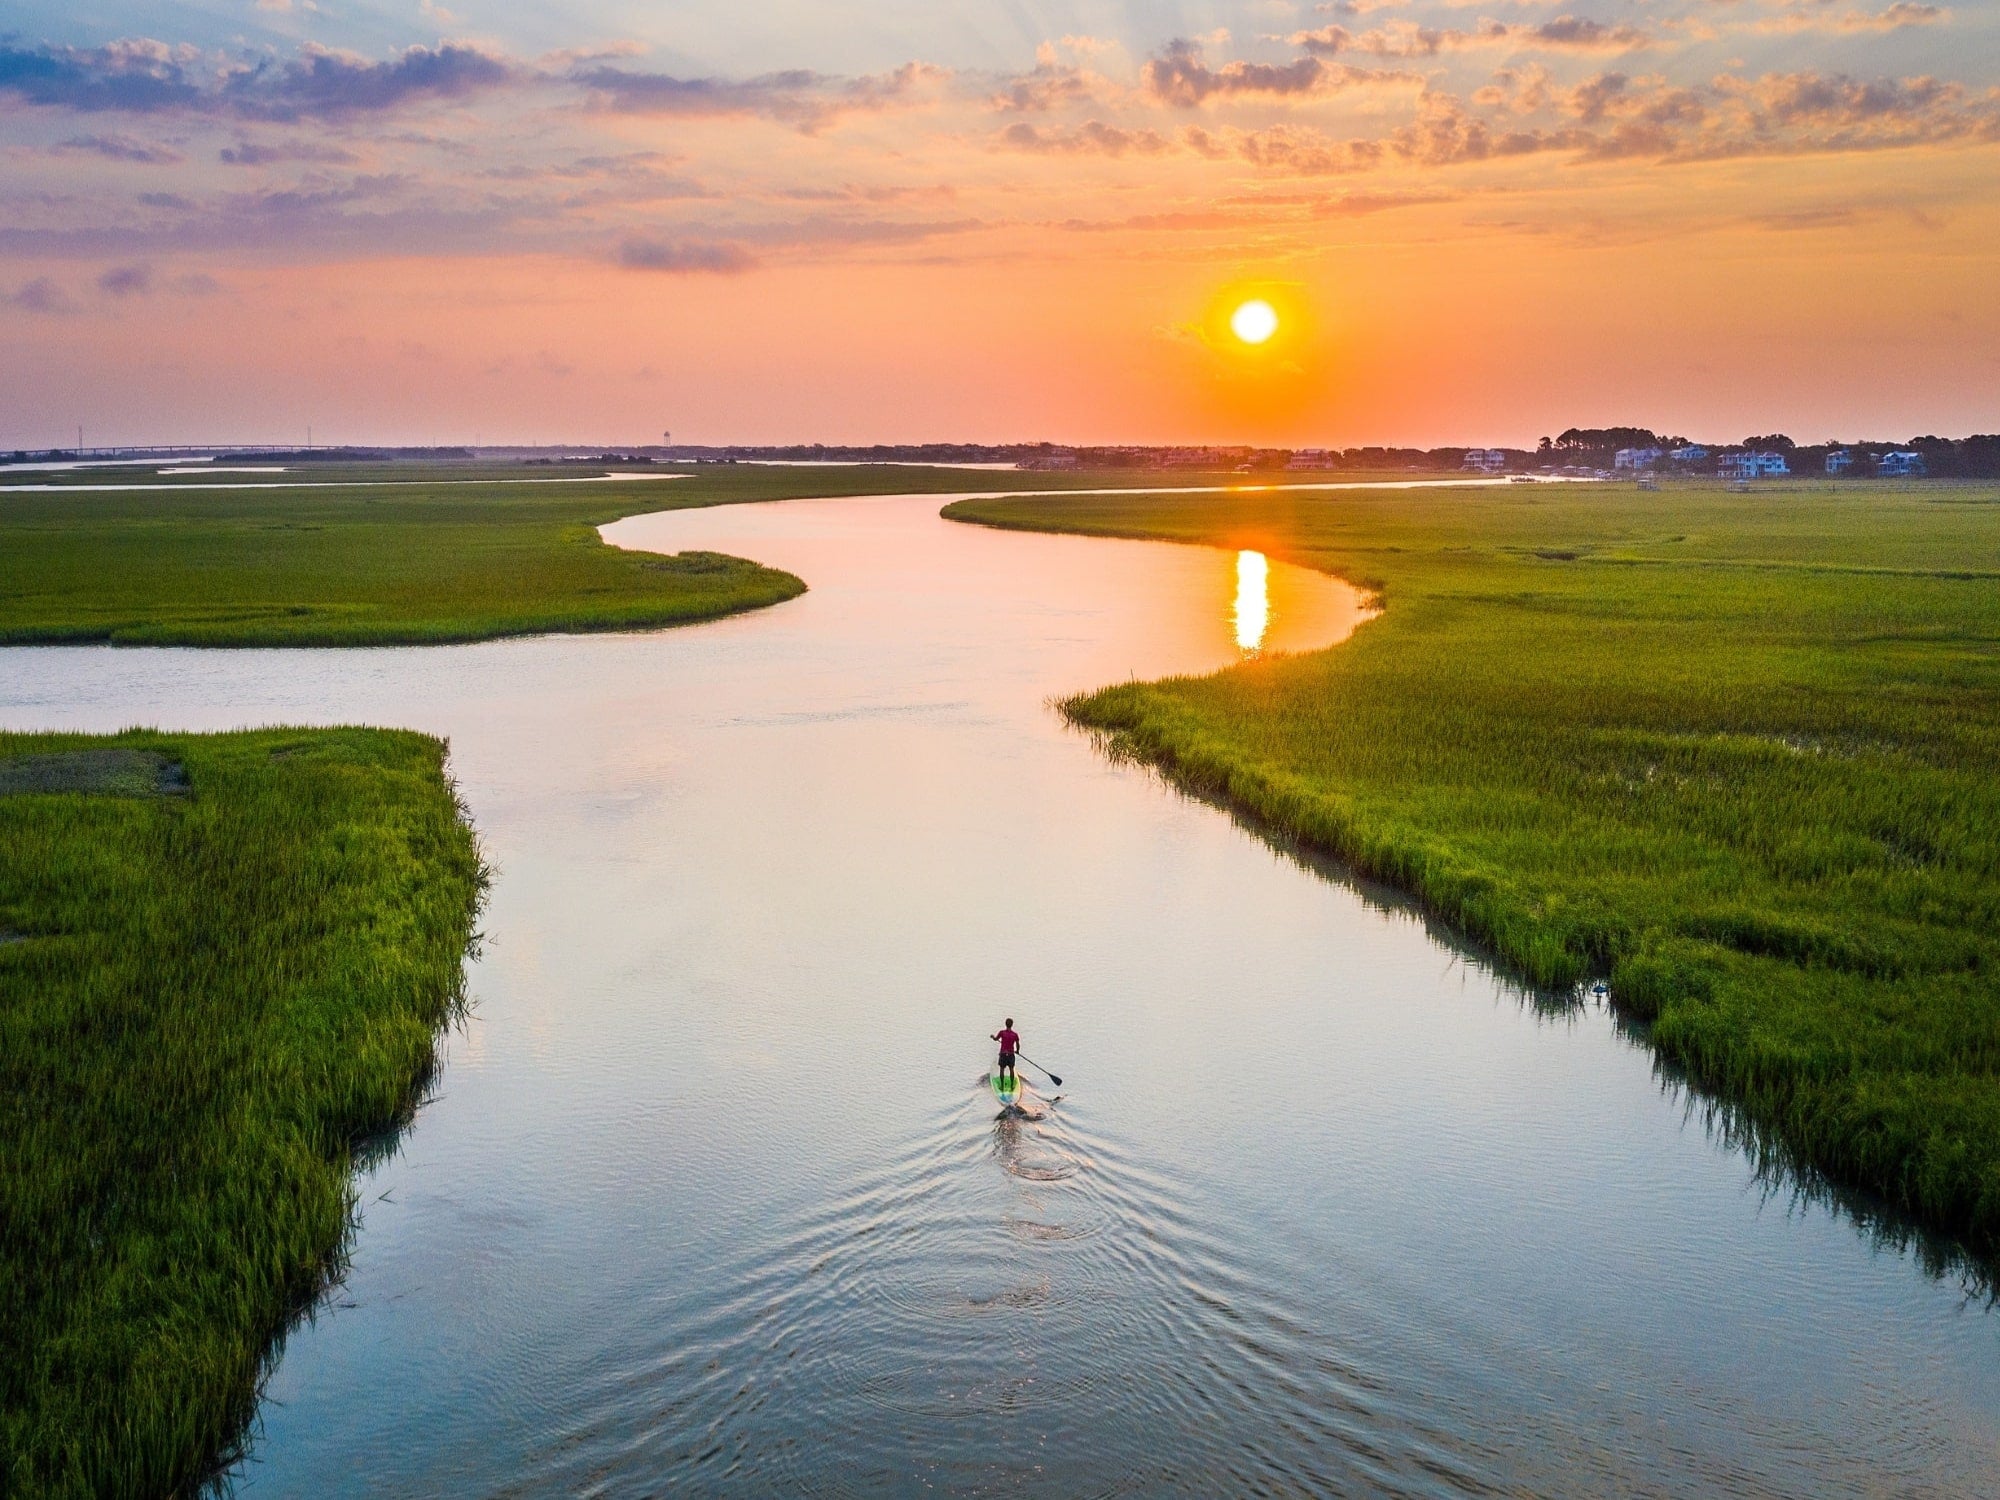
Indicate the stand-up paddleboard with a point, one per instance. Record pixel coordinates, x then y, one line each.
1006 1090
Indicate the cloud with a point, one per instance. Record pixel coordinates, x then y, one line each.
1410 40
119 148
1153 223
41 296
803 99
1612 116
850 232
1093 138
1302 151
686 257
126 281
137 75
1571 34
852 192
1358 205
141 76
1849 23
1179 77
1903 13
321 83
1051 85
261 154
727 198
1811 111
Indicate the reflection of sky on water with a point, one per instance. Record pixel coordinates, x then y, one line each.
1253 600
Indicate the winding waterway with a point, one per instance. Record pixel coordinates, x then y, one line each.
712 1198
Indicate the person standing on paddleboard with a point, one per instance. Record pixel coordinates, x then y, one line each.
1010 1043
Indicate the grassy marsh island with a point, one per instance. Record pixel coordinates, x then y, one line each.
1736 751
224 960
370 556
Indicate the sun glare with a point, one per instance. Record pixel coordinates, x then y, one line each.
1254 321
1253 601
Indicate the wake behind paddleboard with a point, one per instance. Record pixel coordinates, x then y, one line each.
1006 1090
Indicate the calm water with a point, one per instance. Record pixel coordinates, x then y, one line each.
712 1197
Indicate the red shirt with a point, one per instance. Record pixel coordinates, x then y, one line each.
1009 1039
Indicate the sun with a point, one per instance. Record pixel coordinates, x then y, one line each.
1254 321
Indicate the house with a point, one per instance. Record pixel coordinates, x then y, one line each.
1839 461
1485 460
1901 463
1693 453
1751 465
1637 458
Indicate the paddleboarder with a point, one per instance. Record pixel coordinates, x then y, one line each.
1010 1043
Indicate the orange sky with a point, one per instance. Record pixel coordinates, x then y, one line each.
1730 219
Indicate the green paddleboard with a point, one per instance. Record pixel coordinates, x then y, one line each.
1006 1090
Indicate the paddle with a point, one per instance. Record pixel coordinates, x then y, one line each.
1039 1068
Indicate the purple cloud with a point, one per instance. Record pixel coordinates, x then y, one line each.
41 296
261 154
119 148
136 76
686 257
1179 76
329 84
126 281
148 77
1093 138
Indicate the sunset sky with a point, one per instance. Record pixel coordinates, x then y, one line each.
920 219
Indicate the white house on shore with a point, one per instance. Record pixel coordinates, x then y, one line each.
1485 460
1752 465
1693 453
1637 458
1839 461
1901 464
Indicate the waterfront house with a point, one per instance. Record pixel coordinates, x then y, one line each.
1752 465
1693 453
1485 460
1637 458
1902 463
1839 461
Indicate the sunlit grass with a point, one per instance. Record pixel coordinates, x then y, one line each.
409 563
1738 751
223 963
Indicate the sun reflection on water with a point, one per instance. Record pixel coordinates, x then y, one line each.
1253 600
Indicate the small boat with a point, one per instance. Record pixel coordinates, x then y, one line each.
1006 1090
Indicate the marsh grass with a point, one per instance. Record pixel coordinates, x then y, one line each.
230 958
1738 751
421 561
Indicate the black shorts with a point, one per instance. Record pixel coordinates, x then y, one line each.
1006 1059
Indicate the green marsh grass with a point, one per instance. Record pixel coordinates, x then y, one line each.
1740 753
224 960
426 559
